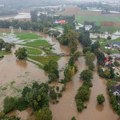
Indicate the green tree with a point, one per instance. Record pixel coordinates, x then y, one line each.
95 46
37 96
111 83
21 53
86 75
69 38
73 118
9 104
52 77
90 57
53 94
83 93
52 68
1 43
69 72
100 99
80 105
43 114
100 57
8 47
109 38
84 38
86 49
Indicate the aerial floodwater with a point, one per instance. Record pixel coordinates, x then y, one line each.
52 54
66 108
24 72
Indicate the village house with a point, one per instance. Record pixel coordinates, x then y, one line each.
115 90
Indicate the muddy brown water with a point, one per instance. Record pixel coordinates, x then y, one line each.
66 108
23 73
15 74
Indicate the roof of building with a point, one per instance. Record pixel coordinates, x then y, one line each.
116 89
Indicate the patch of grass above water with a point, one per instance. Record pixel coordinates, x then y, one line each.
44 59
34 51
27 36
37 43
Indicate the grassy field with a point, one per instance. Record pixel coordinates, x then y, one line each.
97 19
94 16
37 43
44 59
27 36
104 42
34 51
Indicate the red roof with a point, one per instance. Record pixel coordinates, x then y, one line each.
62 21
106 59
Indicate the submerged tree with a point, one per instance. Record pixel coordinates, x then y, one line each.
43 114
21 53
100 99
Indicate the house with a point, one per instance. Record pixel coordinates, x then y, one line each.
78 26
88 27
60 21
115 90
115 44
116 56
108 61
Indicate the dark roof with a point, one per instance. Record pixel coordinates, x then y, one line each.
116 88
118 43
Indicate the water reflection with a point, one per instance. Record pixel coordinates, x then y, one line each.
21 63
99 107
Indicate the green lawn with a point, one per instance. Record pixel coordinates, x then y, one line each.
37 43
44 59
27 36
34 51
109 29
98 21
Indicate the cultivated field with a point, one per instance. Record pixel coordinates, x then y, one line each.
108 22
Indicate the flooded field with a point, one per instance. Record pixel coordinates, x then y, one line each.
16 74
66 108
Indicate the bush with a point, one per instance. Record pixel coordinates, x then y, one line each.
43 114
86 75
116 63
59 95
2 114
100 99
73 118
21 104
21 53
57 88
9 104
10 118
109 38
53 94
82 96
80 105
